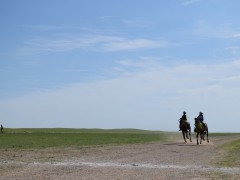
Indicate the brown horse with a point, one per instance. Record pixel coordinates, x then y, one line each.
186 130
201 129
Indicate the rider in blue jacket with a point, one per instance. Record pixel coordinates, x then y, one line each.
201 119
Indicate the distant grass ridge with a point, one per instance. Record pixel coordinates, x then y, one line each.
28 138
73 130
224 134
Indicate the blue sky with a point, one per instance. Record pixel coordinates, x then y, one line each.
119 64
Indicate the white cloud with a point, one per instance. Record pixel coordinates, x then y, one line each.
224 31
233 49
236 63
189 2
134 44
53 27
237 35
148 98
94 43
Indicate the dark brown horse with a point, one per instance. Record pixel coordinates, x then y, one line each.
201 129
186 130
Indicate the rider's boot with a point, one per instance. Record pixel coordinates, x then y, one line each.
180 127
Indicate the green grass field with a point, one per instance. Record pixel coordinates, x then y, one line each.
28 138
59 137
231 154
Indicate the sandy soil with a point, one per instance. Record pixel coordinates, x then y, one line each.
158 160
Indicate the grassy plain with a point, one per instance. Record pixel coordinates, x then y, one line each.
230 154
59 137
56 144
32 138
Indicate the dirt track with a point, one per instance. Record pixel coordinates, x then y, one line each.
159 160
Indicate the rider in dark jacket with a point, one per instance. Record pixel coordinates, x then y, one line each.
182 119
201 119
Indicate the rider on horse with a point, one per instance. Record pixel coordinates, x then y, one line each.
183 120
200 119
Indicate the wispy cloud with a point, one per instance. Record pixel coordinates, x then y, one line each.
106 18
189 2
133 44
52 27
233 49
225 31
137 23
149 97
93 43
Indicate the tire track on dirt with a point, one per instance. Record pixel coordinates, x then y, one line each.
127 166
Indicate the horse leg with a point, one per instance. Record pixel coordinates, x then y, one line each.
197 138
207 135
187 135
183 133
201 137
203 133
190 135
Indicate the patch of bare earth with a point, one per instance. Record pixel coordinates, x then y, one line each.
159 160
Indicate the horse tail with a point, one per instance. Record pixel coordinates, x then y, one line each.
188 125
206 126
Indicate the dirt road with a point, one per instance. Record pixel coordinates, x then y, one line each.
158 160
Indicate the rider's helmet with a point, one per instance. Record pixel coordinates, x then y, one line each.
184 112
200 113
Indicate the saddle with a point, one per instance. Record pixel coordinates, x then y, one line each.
199 125
186 124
